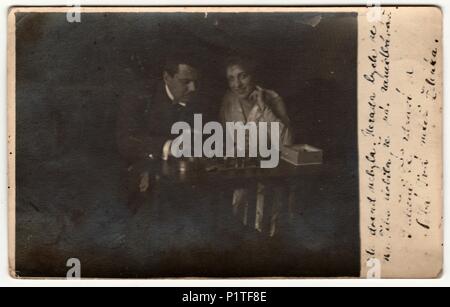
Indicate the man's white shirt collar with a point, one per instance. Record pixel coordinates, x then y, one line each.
169 93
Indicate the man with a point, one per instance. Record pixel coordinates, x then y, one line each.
145 121
175 218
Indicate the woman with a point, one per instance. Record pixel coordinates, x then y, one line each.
246 102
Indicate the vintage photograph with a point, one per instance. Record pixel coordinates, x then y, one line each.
187 143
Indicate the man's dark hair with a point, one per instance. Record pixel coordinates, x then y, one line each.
173 61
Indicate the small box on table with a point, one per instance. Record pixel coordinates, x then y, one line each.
302 154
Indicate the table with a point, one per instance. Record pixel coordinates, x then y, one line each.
210 176
196 173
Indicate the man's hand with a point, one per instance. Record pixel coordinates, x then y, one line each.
166 152
144 183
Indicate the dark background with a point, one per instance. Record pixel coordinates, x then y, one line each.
70 79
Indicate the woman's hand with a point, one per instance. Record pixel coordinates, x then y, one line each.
258 97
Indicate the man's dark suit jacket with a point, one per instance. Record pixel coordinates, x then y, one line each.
145 120
144 125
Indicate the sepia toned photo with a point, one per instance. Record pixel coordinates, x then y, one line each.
225 142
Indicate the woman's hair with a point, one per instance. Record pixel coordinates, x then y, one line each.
246 63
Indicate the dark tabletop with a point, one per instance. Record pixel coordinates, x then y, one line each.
217 172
